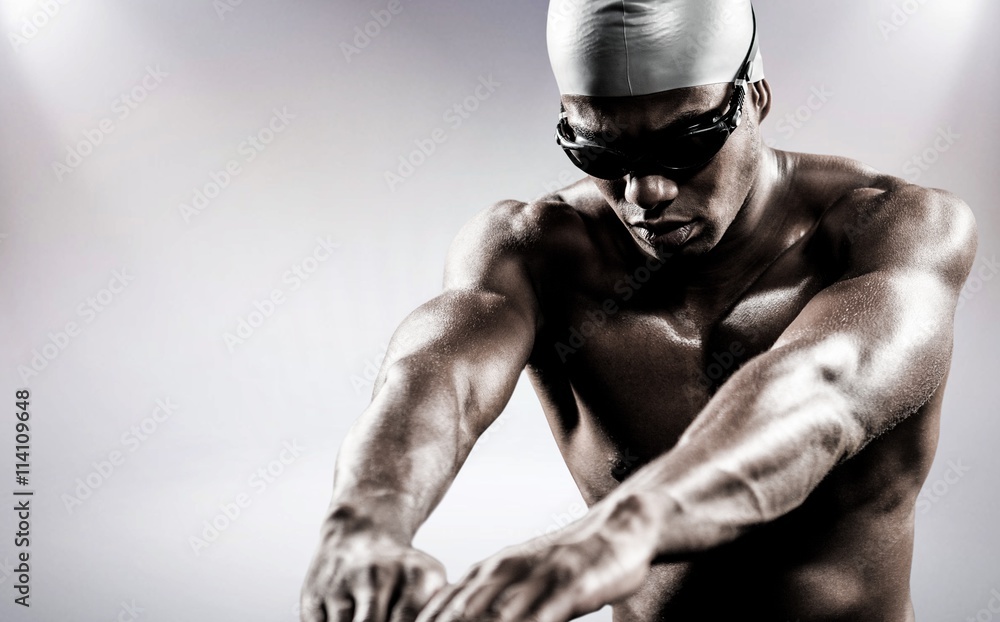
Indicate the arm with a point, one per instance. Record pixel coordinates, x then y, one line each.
452 366
864 353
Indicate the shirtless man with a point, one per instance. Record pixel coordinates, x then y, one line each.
741 353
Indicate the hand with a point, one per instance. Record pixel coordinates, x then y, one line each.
598 560
355 577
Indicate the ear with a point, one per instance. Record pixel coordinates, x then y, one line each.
760 95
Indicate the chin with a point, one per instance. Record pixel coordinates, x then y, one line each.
701 245
664 253
658 254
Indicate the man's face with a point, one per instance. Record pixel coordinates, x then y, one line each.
672 213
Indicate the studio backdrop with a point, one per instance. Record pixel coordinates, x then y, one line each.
214 213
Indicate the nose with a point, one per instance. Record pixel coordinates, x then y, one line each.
648 191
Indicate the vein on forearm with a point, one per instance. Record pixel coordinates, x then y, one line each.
408 444
763 443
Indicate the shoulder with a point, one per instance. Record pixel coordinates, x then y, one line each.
520 227
516 232
560 224
880 222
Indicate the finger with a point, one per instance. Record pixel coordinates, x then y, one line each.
478 598
482 593
417 586
372 591
339 609
311 609
519 600
560 608
439 601
539 599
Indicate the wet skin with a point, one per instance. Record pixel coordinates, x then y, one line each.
743 368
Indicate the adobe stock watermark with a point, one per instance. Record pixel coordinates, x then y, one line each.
222 7
128 611
917 165
32 25
900 15
487 436
365 33
87 311
986 613
933 492
300 272
130 440
121 107
563 9
6 569
258 482
454 116
248 149
795 120
547 535
625 287
930 495
366 380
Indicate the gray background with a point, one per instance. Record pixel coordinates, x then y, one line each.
301 375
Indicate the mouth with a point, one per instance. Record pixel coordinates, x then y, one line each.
672 234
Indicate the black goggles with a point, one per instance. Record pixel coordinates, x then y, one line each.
686 149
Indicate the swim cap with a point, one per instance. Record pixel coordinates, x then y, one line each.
636 47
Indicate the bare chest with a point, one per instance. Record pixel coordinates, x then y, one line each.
626 364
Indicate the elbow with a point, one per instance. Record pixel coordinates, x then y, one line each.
827 376
837 365
416 394
838 429
839 437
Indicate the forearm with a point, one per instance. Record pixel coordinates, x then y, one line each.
450 370
401 455
756 451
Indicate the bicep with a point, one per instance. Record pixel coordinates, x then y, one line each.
477 334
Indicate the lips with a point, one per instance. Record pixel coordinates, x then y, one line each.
676 237
670 233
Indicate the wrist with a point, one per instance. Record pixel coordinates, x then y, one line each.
370 516
634 520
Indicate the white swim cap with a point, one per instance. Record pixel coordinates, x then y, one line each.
636 47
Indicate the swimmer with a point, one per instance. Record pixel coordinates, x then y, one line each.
741 352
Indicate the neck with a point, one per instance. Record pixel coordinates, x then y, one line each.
751 236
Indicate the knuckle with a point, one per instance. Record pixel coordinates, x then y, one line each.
323 570
477 569
414 573
311 609
424 581
405 612
369 574
380 574
562 574
435 567
586 584
506 565
342 611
